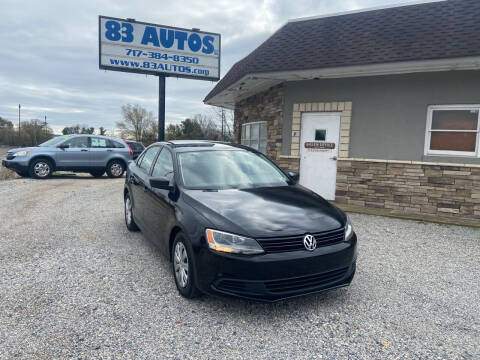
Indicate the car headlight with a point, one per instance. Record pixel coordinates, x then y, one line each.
230 243
22 153
348 230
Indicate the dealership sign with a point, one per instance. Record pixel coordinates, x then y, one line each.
132 46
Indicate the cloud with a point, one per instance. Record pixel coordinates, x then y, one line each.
49 53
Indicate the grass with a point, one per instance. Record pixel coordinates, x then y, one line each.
6 174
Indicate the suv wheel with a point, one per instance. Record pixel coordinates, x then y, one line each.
182 256
40 169
131 225
115 169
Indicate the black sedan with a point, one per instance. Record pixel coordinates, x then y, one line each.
233 223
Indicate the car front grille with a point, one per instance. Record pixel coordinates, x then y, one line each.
294 243
305 282
282 286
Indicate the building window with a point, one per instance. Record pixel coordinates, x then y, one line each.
453 130
254 134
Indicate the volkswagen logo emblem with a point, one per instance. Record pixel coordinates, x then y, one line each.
310 242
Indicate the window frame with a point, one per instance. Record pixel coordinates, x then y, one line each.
428 132
260 123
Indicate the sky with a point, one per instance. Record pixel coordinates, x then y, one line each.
49 54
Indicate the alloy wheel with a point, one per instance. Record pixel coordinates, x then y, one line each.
41 169
128 210
180 263
116 169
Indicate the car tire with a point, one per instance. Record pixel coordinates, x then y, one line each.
129 222
97 173
115 169
182 266
40 168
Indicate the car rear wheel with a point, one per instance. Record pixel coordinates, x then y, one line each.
40 169
131 225
182 256
115 169
97 173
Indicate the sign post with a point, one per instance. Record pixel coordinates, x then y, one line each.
161 107
131 46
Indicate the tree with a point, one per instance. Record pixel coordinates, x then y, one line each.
102 130
201 127
137 123
87 130
7 132
71 130
225 118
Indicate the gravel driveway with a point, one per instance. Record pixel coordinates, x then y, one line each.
75 283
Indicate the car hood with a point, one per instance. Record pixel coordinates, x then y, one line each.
266 212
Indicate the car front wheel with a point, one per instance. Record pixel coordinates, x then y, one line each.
115 169
182 256
131 225
40 169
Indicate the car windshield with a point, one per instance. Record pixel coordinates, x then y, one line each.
228 169
53 141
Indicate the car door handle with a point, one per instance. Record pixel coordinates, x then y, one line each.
109 150
84 150
334 158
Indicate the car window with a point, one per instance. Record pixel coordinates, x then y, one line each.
147 160
114 144
98 142
77 142
164 165
140 158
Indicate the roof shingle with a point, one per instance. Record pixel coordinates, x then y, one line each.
440 30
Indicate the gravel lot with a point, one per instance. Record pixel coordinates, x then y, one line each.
75 283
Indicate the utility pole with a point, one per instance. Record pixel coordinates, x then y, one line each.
19 122
45 124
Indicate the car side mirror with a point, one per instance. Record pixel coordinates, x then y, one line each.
293 175
160 183
63 146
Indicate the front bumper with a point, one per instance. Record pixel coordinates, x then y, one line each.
276 276
15 164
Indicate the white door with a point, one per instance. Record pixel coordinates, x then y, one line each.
320 134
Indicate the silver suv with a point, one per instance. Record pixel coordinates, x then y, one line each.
79 153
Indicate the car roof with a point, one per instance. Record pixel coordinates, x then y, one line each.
93 135
200 145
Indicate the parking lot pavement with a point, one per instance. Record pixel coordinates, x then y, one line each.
75 283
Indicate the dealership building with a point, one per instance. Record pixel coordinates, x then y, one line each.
376 109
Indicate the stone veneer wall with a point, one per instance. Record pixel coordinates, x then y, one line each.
410 188
266 106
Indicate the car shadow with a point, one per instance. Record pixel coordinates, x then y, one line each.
80 176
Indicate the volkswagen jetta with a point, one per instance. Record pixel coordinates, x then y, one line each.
233 223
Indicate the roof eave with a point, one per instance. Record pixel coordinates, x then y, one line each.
251 84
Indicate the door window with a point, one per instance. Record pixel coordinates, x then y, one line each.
164 166
78 142
147 160
320 134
